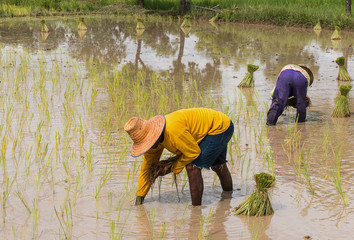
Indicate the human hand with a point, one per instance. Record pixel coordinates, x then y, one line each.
139 200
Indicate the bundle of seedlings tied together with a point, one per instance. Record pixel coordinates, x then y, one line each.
248 80
258 204
292 102
343 74
341 109
160 167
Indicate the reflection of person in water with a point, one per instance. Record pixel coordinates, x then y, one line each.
293 81
215 229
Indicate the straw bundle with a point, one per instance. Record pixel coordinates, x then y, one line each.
248 80
292 102
343 74
140 24
258 204
44 27
335 34
82 25
341 109
186 22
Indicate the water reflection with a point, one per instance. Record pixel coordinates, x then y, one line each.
165 47
208 58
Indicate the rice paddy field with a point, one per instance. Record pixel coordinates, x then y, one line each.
65 95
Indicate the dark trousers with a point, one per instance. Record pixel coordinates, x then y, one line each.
289 83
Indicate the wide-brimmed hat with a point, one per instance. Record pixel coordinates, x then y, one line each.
303 66
144 133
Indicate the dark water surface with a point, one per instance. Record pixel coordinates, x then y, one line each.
65 96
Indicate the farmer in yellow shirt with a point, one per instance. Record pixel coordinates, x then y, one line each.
198 135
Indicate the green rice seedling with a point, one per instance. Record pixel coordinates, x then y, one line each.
78 185
18 194
186 22
341 109
65 218
269 161
105 175
305 171
89 157
343 74
248 80
258 204
335 34
163 230
337 178
184 180
183 214
8 183
35 213
325 143
204 225
3 150
151 219
82 25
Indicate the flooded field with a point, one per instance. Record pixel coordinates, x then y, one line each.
65 167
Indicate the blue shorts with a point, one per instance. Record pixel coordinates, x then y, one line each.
214 149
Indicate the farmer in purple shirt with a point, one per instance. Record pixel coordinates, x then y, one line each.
293 81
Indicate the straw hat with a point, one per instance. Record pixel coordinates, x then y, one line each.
144 133
303 66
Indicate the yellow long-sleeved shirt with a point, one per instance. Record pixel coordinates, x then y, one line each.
183 132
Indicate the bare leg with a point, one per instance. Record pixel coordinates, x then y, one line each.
225 177
196 184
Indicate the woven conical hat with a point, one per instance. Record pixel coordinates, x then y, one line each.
303 66
144 133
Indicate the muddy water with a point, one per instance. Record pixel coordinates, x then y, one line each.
63 107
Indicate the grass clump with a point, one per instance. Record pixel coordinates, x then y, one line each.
248 80
343 74
258 204
341 109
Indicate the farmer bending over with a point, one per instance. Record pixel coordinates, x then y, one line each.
198 135
293 81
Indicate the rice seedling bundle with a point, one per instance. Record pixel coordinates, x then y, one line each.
335 34
248 80
82 25
292 102
341 109
317 27
343 74
258 204
186 31
186 22
216 17
157 168
44 27
140 24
